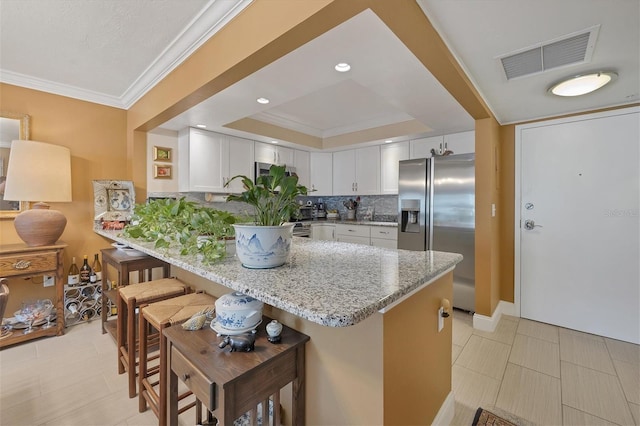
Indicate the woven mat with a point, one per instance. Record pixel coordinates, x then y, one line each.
497 417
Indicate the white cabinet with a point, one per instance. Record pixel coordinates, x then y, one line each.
201 161
273 154
390 156
356 234
208 160
421 148
240 155
460 143
356 171
321 165
384 236
302 164
323 231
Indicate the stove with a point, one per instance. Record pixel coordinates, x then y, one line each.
302 229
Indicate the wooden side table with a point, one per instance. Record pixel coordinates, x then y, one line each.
22 261
124 264
231 383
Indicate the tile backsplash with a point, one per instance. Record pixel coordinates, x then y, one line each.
379 208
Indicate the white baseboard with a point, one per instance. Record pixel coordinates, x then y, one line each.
446 412
485 323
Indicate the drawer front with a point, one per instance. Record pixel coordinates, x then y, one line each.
28 263
384 232
203 388
353 230
353 239
381 242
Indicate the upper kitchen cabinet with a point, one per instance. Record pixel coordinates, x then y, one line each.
460 143
241 151
356 171
208 160
321 165
301 162
390 156
273 154
422 148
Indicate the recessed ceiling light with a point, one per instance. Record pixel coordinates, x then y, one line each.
262 100
582 84
388 141
342 67
201 126
274 141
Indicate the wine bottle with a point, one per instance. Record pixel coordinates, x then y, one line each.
97 267
73 277
93 277
85 271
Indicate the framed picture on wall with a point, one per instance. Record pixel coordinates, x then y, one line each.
161 154
161 171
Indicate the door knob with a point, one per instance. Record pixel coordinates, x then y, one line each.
530 224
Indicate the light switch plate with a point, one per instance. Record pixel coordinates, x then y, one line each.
48 281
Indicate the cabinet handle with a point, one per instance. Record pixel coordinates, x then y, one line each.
356 186
185 377
351 230
383 232
21 264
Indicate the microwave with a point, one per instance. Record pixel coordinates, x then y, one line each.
262 169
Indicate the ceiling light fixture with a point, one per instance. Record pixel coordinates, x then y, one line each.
582 84
263 101
388 141
274 141
342 67
201 126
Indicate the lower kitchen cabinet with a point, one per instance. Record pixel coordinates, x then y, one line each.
356 234
384 236
323 231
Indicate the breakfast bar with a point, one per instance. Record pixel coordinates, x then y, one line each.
377 354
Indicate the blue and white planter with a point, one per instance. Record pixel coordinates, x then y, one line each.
262 247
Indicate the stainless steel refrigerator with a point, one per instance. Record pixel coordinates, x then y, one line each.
436 211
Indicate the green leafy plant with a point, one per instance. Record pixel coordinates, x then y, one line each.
195 229
273 196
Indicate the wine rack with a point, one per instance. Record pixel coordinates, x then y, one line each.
83 303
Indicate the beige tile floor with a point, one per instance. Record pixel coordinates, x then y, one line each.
544 374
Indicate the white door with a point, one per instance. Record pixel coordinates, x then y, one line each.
344 172
240 155
390 156
321 164
578 256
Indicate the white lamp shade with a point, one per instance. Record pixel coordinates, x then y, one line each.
38 171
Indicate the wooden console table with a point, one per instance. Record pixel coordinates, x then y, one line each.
231 383
21 261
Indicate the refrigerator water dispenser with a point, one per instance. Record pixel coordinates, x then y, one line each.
410 216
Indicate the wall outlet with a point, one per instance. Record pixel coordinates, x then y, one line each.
48 281
440 319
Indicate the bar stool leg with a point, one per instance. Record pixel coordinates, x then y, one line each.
120 333
142 364
131 346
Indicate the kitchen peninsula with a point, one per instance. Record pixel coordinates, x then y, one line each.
376 355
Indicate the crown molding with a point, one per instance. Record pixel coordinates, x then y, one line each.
215 15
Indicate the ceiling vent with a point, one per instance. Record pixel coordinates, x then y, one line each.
572 49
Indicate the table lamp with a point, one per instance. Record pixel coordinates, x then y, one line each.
39 171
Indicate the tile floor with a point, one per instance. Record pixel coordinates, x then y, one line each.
541 373
544 374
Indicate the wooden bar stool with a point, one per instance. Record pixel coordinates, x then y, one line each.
129 299
160 315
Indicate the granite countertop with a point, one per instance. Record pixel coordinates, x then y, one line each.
326 282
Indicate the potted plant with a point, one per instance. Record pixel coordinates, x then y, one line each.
194 228
266 242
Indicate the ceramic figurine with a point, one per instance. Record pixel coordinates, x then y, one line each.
274 328
240 343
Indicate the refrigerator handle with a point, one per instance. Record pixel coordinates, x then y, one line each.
429 207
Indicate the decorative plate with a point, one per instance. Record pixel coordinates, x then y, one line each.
113 200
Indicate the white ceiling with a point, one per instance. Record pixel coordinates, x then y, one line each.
113 51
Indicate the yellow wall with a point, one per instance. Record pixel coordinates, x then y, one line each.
96 136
